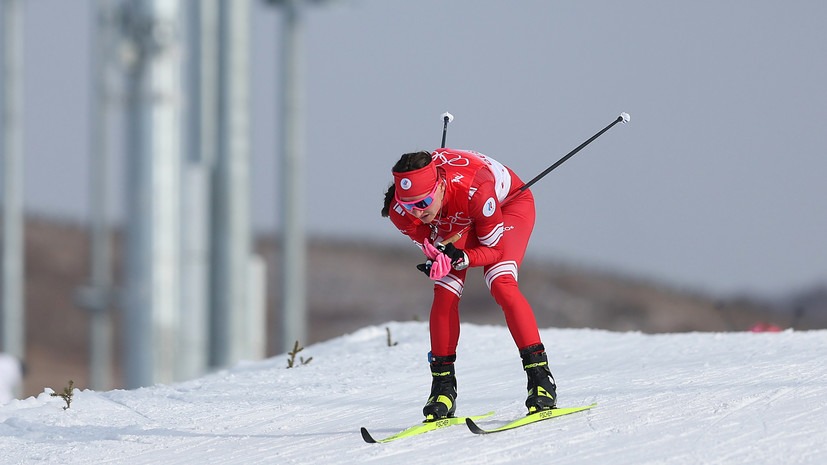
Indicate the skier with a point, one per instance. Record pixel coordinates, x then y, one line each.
437 195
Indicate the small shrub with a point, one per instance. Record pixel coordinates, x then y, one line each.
389 337
66 394
292 360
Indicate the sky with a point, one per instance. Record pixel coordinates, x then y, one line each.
716 185
712 398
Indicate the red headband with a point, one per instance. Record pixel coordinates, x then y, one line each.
417 183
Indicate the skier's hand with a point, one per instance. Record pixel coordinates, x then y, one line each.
441 258
425 268
438 264
430 251
458 257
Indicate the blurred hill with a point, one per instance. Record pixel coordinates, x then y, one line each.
353 284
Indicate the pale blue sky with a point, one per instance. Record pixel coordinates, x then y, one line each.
717 184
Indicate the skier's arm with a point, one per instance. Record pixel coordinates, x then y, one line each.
484 209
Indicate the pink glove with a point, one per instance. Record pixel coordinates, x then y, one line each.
441 263
440 267
430 251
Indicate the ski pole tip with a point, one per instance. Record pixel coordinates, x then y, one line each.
447 117
624 117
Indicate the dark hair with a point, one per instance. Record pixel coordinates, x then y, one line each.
408 162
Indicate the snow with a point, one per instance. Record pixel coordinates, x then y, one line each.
670 398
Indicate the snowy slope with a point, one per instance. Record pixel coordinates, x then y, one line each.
677 398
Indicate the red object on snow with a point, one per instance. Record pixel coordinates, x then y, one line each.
762 327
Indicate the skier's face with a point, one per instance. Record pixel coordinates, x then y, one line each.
427 214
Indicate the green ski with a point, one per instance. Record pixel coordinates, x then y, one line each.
532 418
422 428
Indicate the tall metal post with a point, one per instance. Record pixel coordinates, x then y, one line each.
11 133
152 299
294 247
97 297
202 92
231 217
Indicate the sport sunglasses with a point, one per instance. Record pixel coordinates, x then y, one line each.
421 204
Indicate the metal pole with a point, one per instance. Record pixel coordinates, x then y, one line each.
11 132
97 297
294 253
151 318
199 162
231 219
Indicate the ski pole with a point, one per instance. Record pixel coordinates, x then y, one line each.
446 118
624 118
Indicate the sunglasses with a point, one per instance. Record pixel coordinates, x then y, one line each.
421 204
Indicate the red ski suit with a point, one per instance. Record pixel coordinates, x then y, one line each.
497 240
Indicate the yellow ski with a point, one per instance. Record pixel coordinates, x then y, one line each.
532 418
422 428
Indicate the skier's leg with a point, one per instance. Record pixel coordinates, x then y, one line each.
501 278
444 328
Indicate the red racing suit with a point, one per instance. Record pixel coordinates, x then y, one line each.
497 239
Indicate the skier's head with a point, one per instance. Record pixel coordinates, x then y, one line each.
417 187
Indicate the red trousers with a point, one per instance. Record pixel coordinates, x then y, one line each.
501 279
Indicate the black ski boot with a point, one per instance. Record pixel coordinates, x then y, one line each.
542 391
442 401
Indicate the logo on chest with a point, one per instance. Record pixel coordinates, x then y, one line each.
448 223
